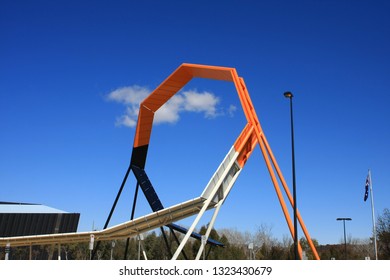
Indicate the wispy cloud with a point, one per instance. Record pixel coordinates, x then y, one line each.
185 101
131 97
231 110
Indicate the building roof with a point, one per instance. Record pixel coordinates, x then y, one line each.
25 219
27 208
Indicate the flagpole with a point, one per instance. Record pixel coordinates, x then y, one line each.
373 215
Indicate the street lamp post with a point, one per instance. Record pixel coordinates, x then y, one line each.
345 236
289 95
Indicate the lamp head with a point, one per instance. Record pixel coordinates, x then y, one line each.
344 219
288 94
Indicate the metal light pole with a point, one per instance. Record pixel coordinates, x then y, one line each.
345 236
289 95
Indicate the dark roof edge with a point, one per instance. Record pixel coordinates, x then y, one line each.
18 203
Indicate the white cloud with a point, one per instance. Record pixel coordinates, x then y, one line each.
186 101
131 97
169 112
201 102
231 110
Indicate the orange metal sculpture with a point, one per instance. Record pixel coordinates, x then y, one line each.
251 135
219 185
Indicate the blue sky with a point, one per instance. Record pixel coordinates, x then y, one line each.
64 142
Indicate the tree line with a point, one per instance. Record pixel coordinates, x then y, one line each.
260 245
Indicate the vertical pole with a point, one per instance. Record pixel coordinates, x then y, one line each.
251 252
294 184
112 249
373 216
345 240
203 244
91 241
7 250
345 234
289 95
139 247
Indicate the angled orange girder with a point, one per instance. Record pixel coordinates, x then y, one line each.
251 135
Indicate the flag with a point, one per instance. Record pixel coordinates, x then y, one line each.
366 187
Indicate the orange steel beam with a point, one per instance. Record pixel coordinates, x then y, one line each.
252 118
266 150
251 135
290 198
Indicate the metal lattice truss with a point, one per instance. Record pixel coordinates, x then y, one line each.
219 185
